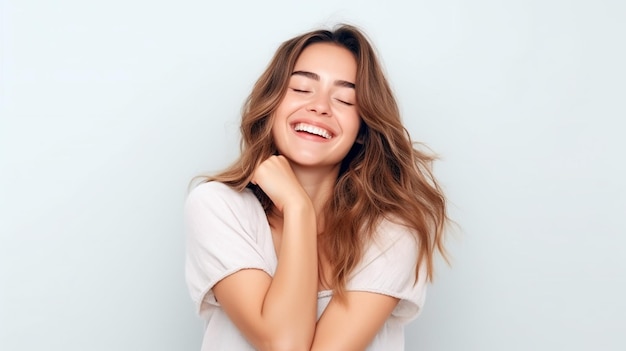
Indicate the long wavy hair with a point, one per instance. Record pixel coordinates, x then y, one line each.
383 176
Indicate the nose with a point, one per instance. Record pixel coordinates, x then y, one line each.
320 105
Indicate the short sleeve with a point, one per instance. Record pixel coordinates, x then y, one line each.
388 267
222 238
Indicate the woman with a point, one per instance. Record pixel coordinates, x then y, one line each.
321 236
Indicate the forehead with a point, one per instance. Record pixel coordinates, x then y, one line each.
328 58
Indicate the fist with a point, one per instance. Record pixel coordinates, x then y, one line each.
278 181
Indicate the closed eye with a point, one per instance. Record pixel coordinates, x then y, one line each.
345 102
300 90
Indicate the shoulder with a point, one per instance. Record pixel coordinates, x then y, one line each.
216 199
393 247
218 191
226 231
388 266
391 235
221 194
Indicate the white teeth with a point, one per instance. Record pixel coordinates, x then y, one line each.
303 127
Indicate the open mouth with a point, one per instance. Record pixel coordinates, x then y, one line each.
307 128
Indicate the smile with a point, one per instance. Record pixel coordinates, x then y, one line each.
303 127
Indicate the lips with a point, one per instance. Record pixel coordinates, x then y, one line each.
311 129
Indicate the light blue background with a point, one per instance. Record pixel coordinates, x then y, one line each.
109 108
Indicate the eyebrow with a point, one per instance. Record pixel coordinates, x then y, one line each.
314 76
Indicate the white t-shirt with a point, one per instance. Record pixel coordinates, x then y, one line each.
227 231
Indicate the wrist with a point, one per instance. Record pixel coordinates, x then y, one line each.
301 206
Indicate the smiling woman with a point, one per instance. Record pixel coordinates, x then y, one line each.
321 236
316 123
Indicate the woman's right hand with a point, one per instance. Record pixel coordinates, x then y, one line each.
278 181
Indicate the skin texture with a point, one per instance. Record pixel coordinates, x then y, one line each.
279 313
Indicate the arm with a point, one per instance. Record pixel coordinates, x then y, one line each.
351 326
279 313
382 284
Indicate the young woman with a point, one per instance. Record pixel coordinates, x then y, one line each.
321 236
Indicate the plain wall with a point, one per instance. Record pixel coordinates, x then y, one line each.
108 109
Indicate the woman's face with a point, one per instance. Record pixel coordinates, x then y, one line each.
317 121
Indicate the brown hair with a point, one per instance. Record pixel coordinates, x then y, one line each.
383 176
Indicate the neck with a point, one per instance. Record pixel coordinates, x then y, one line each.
318 183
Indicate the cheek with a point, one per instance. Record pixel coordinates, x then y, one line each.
275 126
355 125
280 114
278 131
287 103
